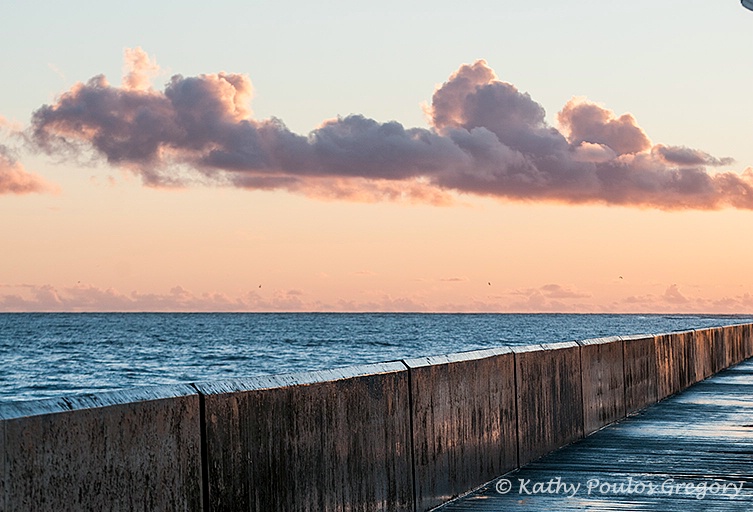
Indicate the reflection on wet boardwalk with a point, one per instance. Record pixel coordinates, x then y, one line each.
692 451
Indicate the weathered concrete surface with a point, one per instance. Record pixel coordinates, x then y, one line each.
464 422
734 344
747 340
704 360
640 372
603 377
135 450
550 399
335 440
718 351
671 364
702 437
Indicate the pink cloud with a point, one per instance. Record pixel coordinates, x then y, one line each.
14 179
139 69
486 138
588 122
556 291
551 298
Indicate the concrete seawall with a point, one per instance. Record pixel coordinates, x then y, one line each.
329 440
464 422
402 436
130 450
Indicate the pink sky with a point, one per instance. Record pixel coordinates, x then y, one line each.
176 198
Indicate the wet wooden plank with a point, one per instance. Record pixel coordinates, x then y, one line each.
693 451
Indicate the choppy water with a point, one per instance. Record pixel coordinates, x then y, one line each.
52 354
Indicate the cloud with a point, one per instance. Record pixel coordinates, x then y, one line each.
91 298
556 291
685 156
550 298
588 122
673 295
486 138
139 69
15 179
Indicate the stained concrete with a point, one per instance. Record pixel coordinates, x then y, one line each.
464 422
719 353
701 437
322 441
671 364
603 381
550 399
734 344
639 371
135 450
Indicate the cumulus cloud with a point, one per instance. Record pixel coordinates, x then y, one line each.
139 69
588 122
486 138
686 156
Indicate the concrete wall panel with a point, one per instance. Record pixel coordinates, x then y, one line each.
336 440
704 361
687 366
550 398
671 375
136 450
748 340
735 344
464 422
640 372
718 350
603 379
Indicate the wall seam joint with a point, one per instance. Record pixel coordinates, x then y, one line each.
204 450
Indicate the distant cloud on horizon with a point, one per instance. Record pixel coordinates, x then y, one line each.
487 138
549 298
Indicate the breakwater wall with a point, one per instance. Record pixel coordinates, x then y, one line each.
404 436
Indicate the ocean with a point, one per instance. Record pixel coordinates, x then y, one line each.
44 355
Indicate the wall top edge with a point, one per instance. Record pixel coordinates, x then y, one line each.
599 341
560 345
678 333
298 379
632 337
26 408
458 357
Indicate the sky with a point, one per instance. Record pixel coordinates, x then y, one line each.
515 156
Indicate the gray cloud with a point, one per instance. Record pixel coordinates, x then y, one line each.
486 138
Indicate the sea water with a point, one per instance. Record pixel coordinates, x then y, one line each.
45 355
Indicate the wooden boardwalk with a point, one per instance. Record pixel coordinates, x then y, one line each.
690 452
